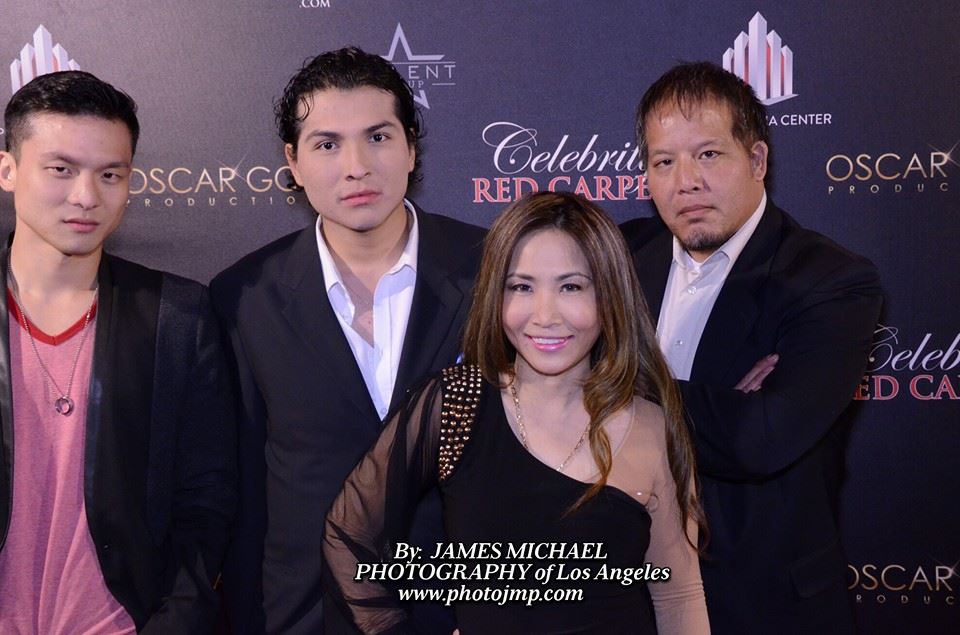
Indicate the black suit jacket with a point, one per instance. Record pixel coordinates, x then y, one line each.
159 465
771 461
306 417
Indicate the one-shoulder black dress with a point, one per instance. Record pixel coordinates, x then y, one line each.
501 494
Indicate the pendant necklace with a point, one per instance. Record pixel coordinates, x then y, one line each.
64 403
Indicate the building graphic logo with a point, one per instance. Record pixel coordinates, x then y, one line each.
39 59
420 70
760 59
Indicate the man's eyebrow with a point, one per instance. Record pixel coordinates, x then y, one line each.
651 151
59 156
65 158
380 126
708 142
336 136
115 164
327 134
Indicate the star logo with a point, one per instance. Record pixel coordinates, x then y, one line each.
419 69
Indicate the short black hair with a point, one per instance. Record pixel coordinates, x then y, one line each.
691 84
73 93
345 69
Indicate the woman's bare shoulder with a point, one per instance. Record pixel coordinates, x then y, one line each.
648 417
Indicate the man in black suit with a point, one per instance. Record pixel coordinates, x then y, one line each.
767 326
117 471
330 327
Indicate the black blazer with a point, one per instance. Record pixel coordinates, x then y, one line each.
771 461
306 417
159 466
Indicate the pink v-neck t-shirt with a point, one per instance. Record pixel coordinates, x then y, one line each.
50 577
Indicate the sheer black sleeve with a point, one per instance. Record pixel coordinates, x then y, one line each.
375 508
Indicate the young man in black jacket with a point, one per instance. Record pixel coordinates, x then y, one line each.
117 464
330 327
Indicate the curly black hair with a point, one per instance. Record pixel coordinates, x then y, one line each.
344 69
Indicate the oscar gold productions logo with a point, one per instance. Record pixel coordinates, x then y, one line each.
891 171
903 584
224 185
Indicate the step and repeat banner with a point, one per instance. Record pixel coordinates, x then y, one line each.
541 94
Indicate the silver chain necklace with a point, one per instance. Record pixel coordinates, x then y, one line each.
63 404
523 429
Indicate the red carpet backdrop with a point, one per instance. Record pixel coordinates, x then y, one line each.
541 94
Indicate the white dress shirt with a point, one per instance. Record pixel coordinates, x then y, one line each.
692 289
392 300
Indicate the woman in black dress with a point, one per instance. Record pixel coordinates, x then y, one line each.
559 449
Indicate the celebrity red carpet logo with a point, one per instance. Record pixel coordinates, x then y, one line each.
587 165
421 70
918 367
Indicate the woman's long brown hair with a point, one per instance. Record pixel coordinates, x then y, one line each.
626 360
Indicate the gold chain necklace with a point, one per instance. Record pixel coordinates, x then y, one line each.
63 404
523 429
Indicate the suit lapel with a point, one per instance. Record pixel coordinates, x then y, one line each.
307 311
6 406
102 392
739 303
436 302
121 399
653 267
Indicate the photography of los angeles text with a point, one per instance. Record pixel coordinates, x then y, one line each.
499 563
